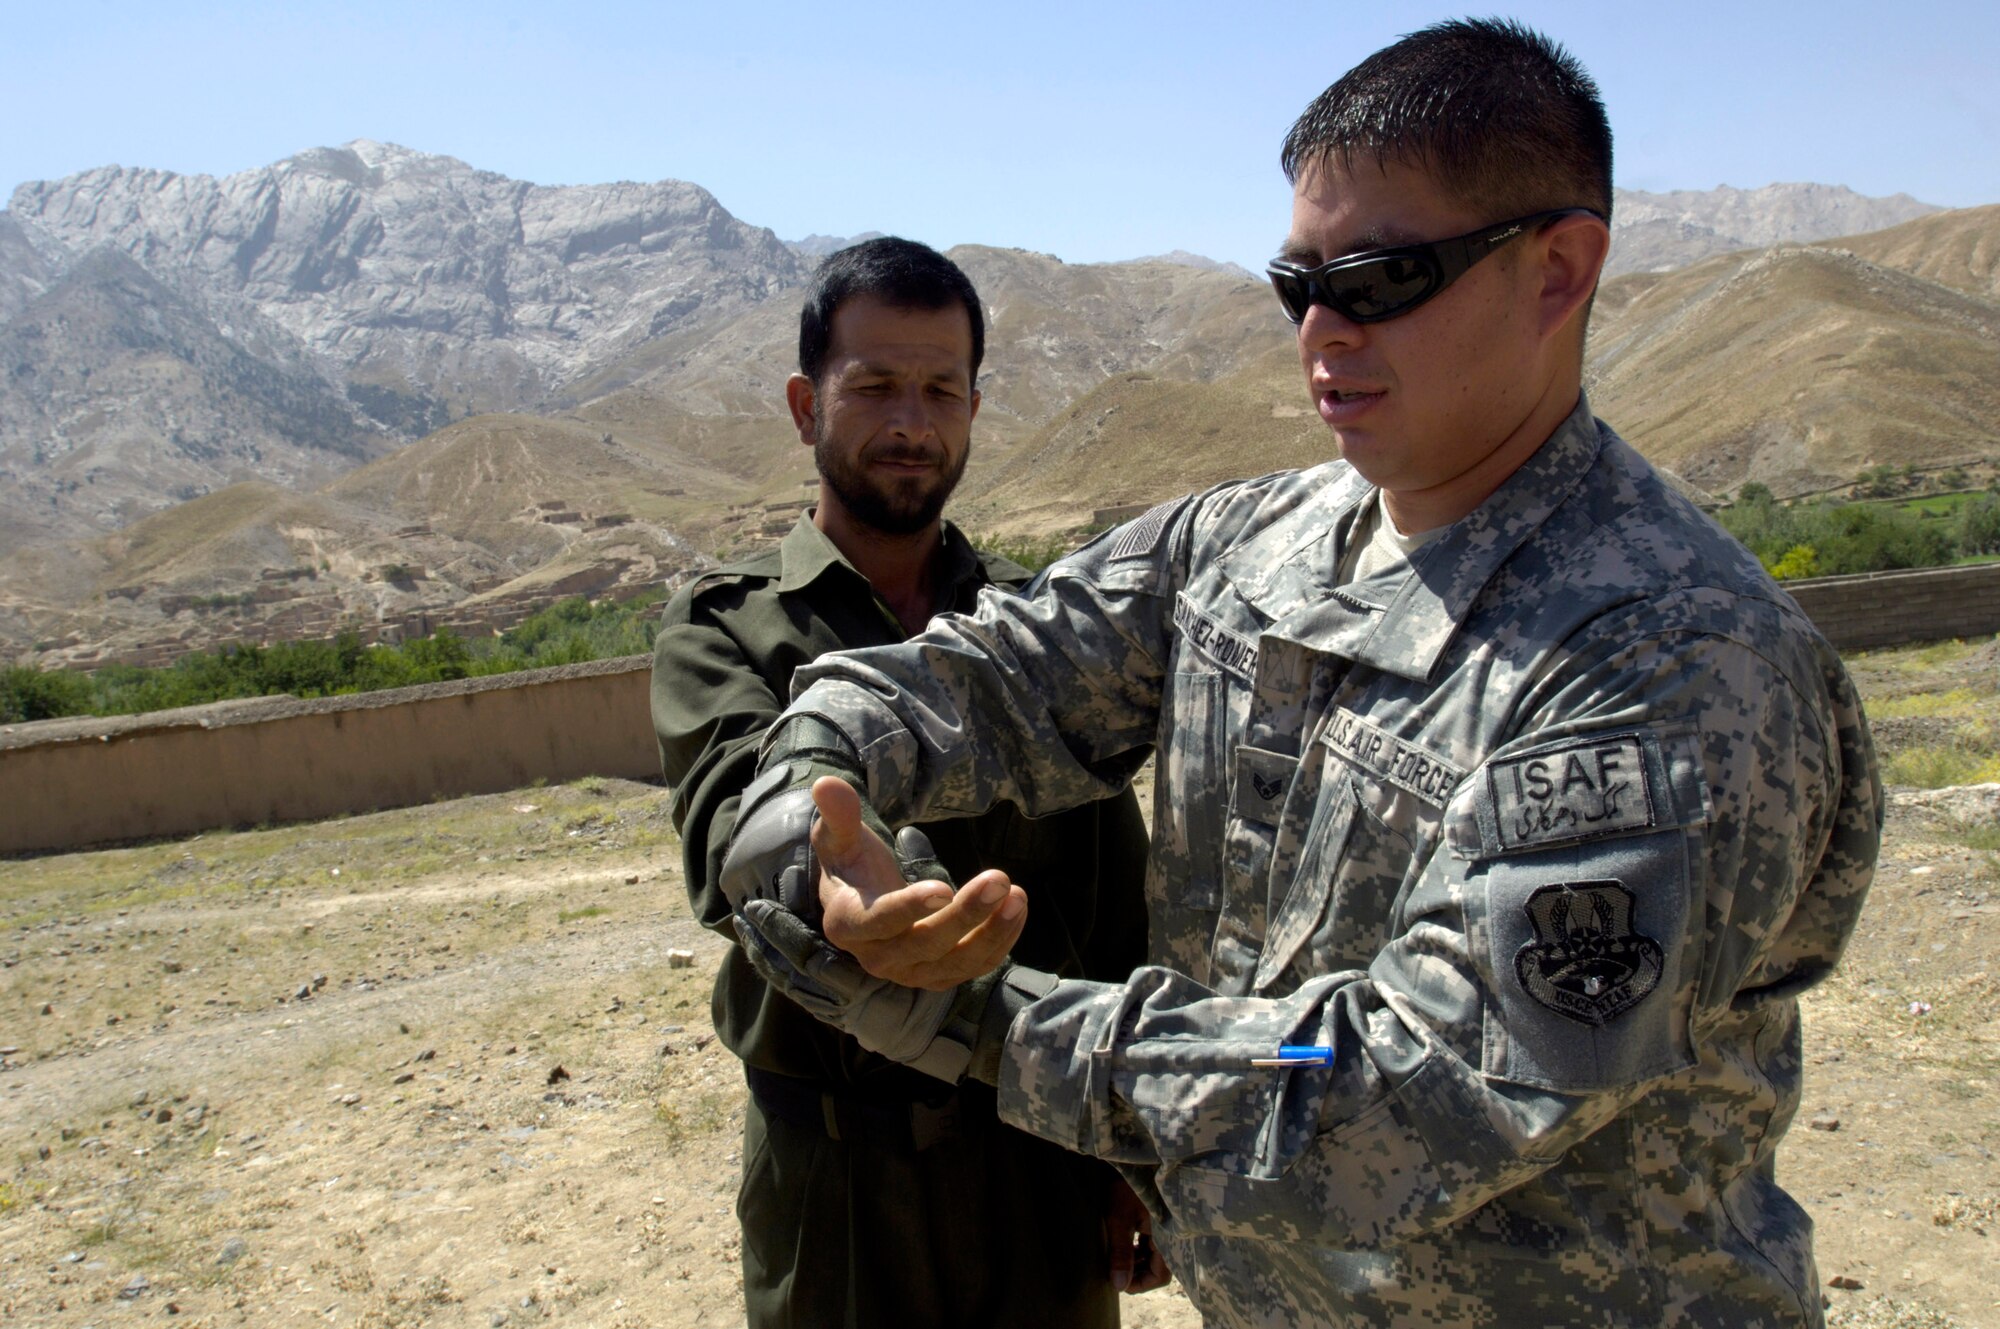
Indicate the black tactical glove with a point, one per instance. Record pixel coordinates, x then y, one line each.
770 851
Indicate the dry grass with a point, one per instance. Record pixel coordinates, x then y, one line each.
1935 711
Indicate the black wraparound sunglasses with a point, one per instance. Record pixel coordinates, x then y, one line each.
1382 283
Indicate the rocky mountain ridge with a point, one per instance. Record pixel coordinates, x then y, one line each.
611 359
396 290
399 265
673 453
1659 232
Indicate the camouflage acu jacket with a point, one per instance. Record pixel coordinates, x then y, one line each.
1540 835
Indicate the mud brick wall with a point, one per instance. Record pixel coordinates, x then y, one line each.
1891 608
67 783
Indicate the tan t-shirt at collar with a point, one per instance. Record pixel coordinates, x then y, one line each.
1377 544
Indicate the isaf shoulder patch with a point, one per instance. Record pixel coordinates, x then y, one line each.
1587 962
1590 788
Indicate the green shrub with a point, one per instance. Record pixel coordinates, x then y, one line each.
571 631
567 632
1844 537
1976 527
1799 561
27 693
1883 481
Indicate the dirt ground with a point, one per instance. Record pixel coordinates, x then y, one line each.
453 1065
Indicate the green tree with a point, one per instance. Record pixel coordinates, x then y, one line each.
1882 481
1799 561
1976 526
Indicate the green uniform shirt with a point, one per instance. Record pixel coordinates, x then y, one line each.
722 671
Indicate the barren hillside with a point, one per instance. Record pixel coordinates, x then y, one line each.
1104 385
1960 249
1140 439
1797 367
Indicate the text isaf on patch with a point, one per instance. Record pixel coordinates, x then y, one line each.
1425 774
1572 792
1232 651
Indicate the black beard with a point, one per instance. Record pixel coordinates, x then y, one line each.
898 511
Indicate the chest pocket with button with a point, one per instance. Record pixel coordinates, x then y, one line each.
1337 909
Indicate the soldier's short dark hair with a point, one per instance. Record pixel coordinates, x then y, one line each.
1499 115
900 273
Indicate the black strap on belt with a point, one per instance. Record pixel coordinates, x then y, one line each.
911 1127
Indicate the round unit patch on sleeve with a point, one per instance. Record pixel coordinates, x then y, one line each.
1587 961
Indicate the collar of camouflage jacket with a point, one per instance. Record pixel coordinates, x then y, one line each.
1402 618
805 555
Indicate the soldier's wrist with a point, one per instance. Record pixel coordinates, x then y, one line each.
812 743
1005 993
807 747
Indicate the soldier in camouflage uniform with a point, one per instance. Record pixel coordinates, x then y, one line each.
872 1194
1505 805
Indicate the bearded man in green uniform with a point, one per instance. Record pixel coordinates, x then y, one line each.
872 1194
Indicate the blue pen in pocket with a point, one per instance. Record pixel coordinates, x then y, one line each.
1297 1054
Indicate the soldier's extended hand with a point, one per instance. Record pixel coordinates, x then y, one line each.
922 935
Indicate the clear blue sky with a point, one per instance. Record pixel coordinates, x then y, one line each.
1089 130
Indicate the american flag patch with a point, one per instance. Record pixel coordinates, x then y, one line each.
1144 533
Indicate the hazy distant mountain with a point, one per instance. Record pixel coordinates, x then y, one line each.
1658 232
24 273
816 247
423 278
681 436
1206 264
122 396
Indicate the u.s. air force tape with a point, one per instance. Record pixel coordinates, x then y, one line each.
1387 757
